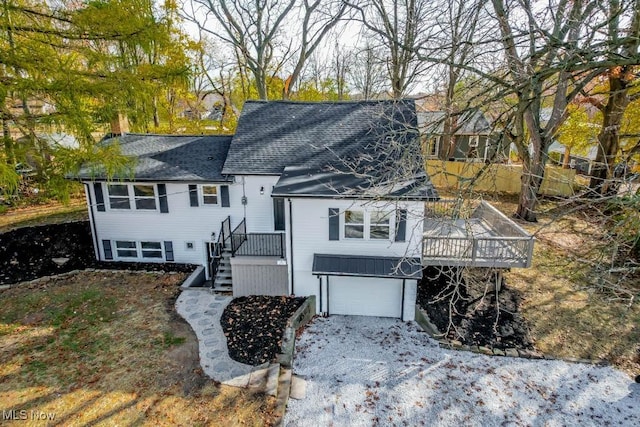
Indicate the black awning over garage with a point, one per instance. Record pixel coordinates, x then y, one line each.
367 266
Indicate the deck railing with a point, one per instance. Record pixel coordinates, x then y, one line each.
260 244
256 244
508 246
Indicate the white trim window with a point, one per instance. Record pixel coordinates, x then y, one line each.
353 224
126 249
210 195
367 225
140 197
379 225
129 249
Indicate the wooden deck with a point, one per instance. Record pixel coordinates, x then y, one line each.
461 233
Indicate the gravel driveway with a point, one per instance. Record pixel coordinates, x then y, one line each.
364 371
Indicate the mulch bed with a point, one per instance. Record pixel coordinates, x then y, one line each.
474 312
254 326
27 253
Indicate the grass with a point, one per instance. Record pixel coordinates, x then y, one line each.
568 315
107 348
47 213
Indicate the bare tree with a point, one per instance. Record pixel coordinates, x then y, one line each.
250 27
367 73
318 18
398 26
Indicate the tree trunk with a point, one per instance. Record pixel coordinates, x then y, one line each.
566 161
8 142
532 175
609 137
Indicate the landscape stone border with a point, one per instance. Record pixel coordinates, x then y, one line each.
422 319
95 270
301 317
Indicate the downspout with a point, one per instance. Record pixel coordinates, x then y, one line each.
327 296
320 291
96 249
402 303
291 245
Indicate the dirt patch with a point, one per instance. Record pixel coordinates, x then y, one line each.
254 326
469 312
31 252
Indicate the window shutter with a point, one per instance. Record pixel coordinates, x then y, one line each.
334 224
193 194
224 196
97 188
278 214
168 251
401 225
106 245
162 196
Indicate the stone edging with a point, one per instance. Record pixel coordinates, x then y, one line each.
422 318
94 270
301 317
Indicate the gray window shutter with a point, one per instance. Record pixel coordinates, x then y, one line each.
97 188
278 214
106 245
401 225
168 251
162 196
334 224
193 195
224 196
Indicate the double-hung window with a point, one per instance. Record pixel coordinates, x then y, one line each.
126 249
379 224
119 196
133 249
145 197
132 196
354 224
209 194
375 225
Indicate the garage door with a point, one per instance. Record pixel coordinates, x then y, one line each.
362 296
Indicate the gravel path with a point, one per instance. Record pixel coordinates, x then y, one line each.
373 371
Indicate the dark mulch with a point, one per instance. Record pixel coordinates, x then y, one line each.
254 326
474 311
27 253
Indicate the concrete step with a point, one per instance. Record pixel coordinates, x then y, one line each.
222 283
222 289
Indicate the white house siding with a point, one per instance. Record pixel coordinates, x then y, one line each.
180 225
259 206
310 227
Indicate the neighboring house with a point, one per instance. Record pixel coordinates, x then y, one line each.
324 199
582 164
472 138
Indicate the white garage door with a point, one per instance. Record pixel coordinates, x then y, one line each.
362 296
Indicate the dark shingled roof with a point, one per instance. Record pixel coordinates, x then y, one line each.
273 135
367 266
302 182
170 157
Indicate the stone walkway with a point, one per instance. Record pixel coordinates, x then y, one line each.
203 310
